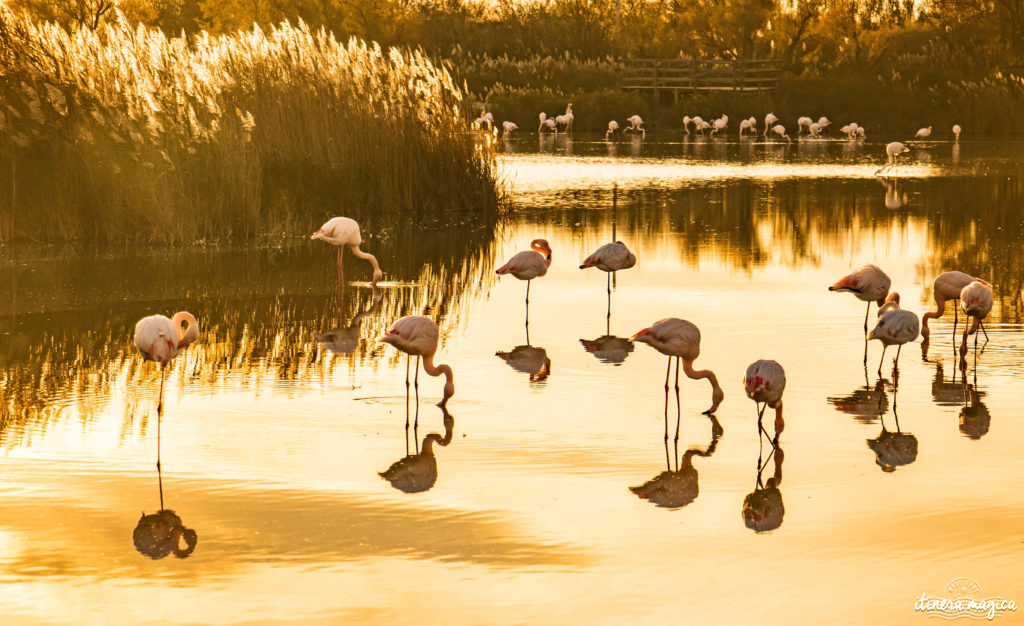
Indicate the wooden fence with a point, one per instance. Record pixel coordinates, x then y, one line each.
677 76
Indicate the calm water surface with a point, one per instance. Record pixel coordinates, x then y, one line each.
517 507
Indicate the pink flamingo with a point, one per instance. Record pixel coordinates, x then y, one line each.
160 339
895 327
678 338
976 302
869 284
344 231
764 382
947 286
529 264
416 335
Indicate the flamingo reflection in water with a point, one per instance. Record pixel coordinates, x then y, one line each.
893 448
675 488
417 472
341 232
866 403
345 338
763 509
160 339
417 336
160 534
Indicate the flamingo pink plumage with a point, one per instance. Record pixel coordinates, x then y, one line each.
895 327
344 231
417 336
947 286
765 381
869 284
610 257
529 264
678 338
976 302
161 339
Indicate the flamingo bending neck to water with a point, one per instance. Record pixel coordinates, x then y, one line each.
344 231
416 335
678 338
765 381
976 302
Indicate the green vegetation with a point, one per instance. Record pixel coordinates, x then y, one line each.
124 133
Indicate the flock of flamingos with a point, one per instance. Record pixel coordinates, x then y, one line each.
159 338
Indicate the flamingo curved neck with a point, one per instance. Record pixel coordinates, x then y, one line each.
430 368
369 257
191 331
696 374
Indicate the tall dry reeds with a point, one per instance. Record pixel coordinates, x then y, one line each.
126 133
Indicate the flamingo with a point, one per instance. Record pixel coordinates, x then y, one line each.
703 126
562 122
869 284
551 125
956 132
344 231
893 150
947 286
415 473
613 126
895 326
543 120
765 381
850 130
768 121
976 302
801 122
814 130
720 124
753 124
860 132
686 124
780 130
824 122
923 133
698 124
744 125
569 118
610 257
509 127
636 124
678 338
161 339
416 335
529 264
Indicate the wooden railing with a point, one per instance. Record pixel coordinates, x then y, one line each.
689 75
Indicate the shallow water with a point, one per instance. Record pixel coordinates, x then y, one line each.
271 444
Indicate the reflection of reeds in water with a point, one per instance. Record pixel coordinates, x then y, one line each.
129 134
258 313
970 224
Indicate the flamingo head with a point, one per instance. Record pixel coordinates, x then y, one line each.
752 384
191 331
717 395
541 245
644 336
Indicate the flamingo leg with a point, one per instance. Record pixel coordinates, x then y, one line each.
407 411
678 410
608 319
341 269
866 314
407 357
159 419
667 371
160 400
882 360
984 331
416 386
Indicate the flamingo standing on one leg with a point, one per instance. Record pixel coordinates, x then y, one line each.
160 339
416 335
611 257
678 338
892 150
527 265
976 302
947 286
869 284
923 133
895 326
956 133
764 382
344 231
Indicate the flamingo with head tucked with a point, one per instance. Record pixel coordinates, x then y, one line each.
869 284
678 338
956 132
344 231
895 327
416 335
923 133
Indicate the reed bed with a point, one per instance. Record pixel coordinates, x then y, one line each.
128 134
